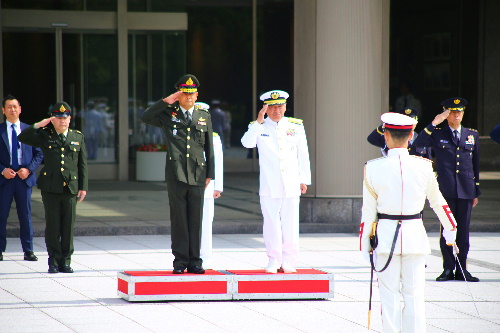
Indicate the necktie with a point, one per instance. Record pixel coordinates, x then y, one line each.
14 148
62 137
455 137
188 117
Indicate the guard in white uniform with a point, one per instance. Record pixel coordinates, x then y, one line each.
394 192
212 192
285 173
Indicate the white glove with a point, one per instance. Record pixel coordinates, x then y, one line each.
450 236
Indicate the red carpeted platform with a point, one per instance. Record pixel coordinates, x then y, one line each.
224 285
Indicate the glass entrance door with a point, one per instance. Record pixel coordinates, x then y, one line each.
82 67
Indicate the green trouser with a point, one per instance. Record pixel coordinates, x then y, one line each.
186 213
60 214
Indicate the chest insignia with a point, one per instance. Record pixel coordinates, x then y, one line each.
75 143
263 134
174 132
443 141
291 132
470 140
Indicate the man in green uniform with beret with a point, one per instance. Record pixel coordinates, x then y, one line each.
188 170
63 181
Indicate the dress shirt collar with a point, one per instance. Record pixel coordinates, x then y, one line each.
184 110
459 129
397 152
17 123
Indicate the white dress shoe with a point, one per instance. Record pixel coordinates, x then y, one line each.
271 269
287 268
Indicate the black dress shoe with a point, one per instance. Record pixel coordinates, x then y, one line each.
30 256
178 270
65 269
446 276
196 270
53 269
460 277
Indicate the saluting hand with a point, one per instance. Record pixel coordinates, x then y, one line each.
262 113
441 117
173 98
43 123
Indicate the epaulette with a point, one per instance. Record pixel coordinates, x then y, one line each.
204 110
215 134
473 130
252 122
295 121
422 158
375 159
77 131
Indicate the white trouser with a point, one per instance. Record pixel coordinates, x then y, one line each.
405 277
206 232
281 229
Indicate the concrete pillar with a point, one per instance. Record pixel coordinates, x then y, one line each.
122 31
341 88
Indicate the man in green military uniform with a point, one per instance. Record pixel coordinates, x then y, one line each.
63 181
189 167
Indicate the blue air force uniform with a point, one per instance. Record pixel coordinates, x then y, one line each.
457 166
376 137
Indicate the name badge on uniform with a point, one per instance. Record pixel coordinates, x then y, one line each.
201 122
263 134
175 120
443 141
174 132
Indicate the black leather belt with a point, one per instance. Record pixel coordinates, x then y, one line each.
399 217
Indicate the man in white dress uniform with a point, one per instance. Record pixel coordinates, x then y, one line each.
285 173
212 192
394 192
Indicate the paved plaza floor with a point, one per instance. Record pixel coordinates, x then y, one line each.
32 300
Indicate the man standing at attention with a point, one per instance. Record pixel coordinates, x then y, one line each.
394 192
188 170
18 164
63 181
285 173
457 162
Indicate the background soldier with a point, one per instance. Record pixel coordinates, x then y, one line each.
212 192
189 167
285 173
457 162
394 192
377 139
63 181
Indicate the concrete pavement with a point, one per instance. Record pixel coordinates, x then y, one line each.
32 300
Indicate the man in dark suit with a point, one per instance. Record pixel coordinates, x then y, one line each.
188 170
376 137
18 164
457 162
63 181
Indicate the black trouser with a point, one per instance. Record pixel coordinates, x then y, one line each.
60 214
186 213
461 209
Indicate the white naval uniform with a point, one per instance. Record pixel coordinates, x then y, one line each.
401 183
284 165
209 205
